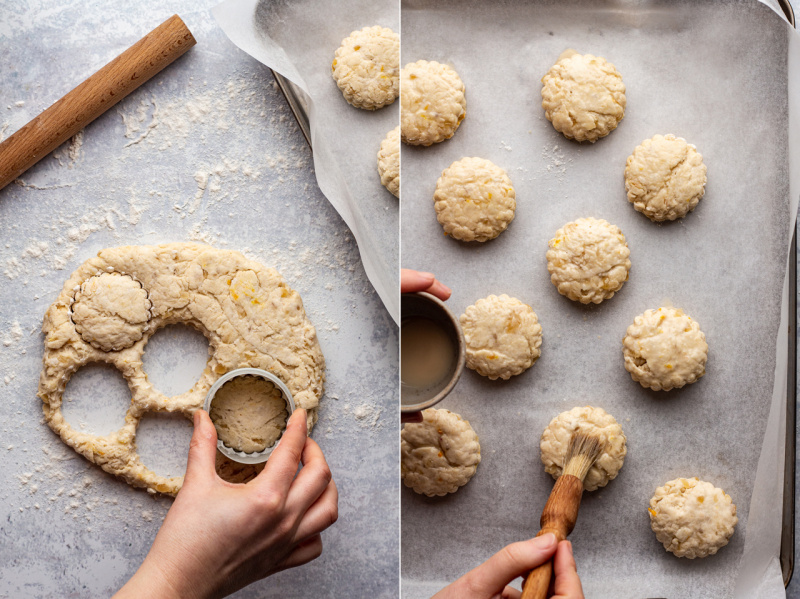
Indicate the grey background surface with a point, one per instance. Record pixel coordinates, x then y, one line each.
207 151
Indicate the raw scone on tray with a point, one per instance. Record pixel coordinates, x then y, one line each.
432 102
593 422
503 336
389 162
440 454
588 260
366 67
665 177
692 518
665 349
583 96
474 200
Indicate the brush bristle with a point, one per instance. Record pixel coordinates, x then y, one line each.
582 452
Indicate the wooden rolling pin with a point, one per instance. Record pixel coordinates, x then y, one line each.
93 97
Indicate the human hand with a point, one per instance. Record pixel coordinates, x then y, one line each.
414 280
219 537
490 580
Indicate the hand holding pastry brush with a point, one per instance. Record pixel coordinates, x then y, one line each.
561 510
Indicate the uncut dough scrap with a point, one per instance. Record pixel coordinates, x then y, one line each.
583 96
249 414
594 421
389 161
432 102
503 336
665 349
440 454
474 200
366 66
665 177
692 518
588 260
247 313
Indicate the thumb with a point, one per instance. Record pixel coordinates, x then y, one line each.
203 449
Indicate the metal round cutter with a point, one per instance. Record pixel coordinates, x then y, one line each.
240 456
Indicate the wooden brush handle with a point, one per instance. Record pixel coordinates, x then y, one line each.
559 516
93 97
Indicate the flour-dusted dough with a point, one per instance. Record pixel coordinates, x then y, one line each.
665 177
389 161
583 96
249 414
432 102
366 66
588 260
503 336
440 454
591 421
474 200
665 349
692 518
249 315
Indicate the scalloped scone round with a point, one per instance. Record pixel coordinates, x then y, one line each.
474 200
111 311
665 177
583 96
665 349
389 162
592 421
440 454
692 518
432 102
503 336
250 317
588 260
366 66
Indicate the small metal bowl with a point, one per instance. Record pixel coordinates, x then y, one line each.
425 305
240 456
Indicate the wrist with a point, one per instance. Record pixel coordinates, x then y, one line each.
151 581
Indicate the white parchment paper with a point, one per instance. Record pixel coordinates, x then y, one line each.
716 74
298 40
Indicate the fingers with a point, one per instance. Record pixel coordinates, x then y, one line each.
567 584
511 561
200 464
312 480
440 290
511 593
319 516
414 280
303 553
284 461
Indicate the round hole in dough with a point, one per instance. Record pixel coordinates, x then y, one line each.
439 454
366 66
665 349
247 312
590 421
502 335
432 102
474 200
665 177
692 518
588 260
583 96
111 311
389 162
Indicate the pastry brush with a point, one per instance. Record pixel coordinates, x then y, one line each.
561 510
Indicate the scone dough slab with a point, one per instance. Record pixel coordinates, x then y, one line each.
588 260
503 336
249 315
432 102
589 420
366 67
440 454
692 518
474 200
583 96
665 349
665 177
389 162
